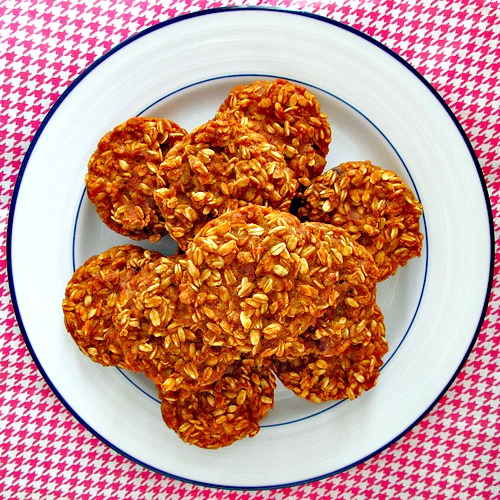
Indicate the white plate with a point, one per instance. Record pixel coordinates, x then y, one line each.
380 109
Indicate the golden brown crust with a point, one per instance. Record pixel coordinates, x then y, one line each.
352 292
249 277
220 166
374 206
289 116
157 332
91 296
228 410
355 369
121 175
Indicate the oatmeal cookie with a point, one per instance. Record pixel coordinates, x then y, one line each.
260 278
289 116
242 280
91 296
122 172
353 295
220 166
157 332
356 368
224 412
374 206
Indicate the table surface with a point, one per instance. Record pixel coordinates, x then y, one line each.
452 453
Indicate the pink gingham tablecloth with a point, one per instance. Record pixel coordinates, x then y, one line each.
45 453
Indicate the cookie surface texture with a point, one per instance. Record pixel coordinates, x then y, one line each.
289 116
91 296
122 173
351 291
354 369
224 412
157 332
220 166
374 205
259 279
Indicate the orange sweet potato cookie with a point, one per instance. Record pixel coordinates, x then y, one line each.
157 333
257 278
220 166
228 410
374 206
346 324
91 296
344 320
121 175
355 369
289 116
242 280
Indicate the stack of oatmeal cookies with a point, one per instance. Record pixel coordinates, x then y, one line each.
277 265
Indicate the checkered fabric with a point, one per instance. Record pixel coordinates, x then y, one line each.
45 453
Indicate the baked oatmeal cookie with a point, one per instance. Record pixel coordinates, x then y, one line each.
157 332
289 116
91 296
242 280
374 205
228 410
220 166
122 172
260 279
356 368
353 295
